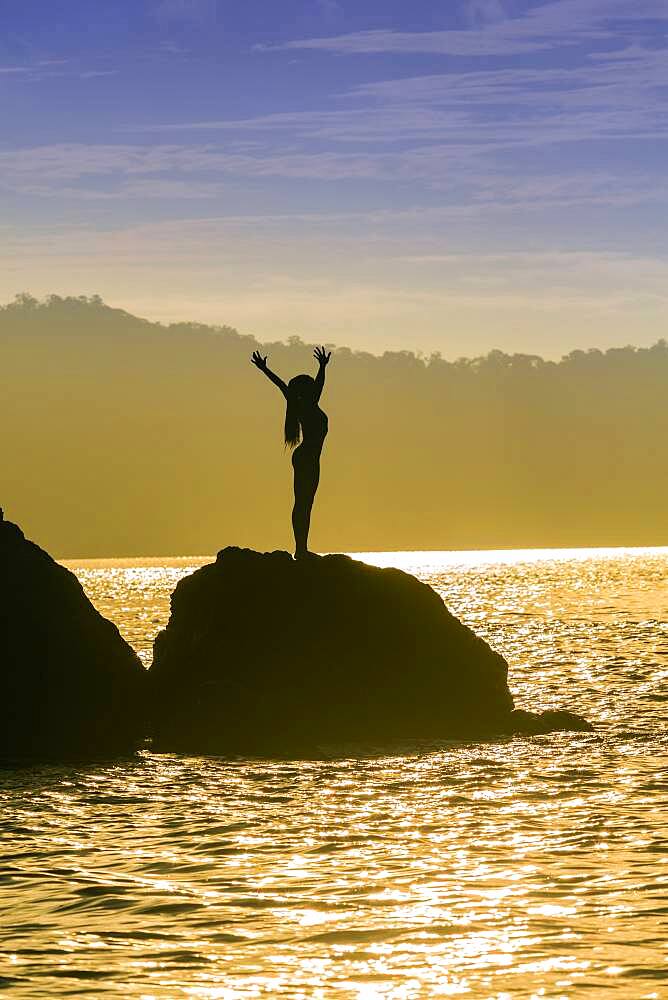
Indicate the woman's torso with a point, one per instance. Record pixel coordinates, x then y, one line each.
314 425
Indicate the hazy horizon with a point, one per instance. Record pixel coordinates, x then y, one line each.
121 437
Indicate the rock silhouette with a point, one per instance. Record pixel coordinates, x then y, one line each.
538 723
69 684
262 652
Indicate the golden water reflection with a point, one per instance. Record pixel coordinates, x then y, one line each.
522 868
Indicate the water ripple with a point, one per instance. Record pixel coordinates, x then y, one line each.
526 867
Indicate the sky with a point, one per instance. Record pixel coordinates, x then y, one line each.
450 176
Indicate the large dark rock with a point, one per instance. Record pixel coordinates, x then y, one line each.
262 652
69 684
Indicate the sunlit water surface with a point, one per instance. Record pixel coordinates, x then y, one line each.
529 867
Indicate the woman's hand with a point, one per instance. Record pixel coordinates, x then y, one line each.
321 356
259 361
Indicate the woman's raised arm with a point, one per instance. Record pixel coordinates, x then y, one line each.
322 357
261 363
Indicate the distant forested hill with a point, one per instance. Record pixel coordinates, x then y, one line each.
125 437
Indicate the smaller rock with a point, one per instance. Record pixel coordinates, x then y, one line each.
537 723
69 683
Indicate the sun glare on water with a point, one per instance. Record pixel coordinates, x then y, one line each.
527 867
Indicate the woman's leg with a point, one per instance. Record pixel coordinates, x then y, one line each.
306 484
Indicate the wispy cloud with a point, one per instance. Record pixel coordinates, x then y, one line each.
103 172
617 95
462 43
603 275
92 74
547 26
77 161
47 69
42 68
479 135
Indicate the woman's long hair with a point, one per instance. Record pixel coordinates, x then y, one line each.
300 394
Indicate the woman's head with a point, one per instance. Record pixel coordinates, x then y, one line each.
301 395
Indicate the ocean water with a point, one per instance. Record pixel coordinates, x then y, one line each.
528 867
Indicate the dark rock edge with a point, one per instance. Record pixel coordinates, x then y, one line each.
195 656
70 686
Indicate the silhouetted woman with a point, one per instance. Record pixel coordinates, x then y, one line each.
302 415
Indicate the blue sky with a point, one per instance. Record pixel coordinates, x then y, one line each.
450 176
